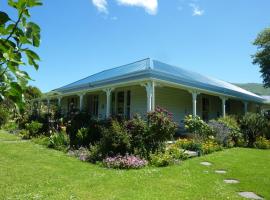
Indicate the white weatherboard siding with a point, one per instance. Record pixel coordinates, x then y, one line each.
138 100
178 102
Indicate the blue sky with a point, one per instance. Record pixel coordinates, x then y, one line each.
212 37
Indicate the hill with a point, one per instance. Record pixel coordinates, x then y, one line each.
256 88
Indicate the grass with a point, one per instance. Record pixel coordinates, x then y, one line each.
31 171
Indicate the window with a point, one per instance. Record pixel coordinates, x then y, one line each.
128 105
113 110
120 103
94 105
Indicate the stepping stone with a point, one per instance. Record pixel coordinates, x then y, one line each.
231 181
220 171
206 163
249 195
191 153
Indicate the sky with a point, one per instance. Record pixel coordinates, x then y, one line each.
83 37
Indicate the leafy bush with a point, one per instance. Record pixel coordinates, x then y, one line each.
235 133
262 143
82 154
4 116
160 159
59 141
161 126
95 153
74 124
173 154
176 152
197 126
82 137
189 144
124 162
24 134
10 126
252 126
42 140
210 146
138 131
33 127
115 140
222 133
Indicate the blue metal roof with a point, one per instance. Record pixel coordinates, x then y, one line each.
148 68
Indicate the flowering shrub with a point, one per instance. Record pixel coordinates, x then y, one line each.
160 159
210 146
59 141
138 130
252 126
33 127
197 126
82 154
189 144
124 162
262 143
161 128
235 134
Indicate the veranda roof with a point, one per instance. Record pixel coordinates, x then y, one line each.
153 69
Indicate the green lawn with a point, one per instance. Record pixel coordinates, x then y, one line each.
30 171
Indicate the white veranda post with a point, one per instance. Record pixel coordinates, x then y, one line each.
150 91
81 101
223 99
59 101
245 107
108 101
48 105
194 102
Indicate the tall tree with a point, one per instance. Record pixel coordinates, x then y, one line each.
262 57
17 38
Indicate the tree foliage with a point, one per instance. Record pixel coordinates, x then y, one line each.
262 57
17 37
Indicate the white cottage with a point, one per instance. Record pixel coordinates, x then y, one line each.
140 86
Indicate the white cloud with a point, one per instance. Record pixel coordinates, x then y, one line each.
150 6
196 10
101 5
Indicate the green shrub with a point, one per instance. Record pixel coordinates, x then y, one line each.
161 125
34 128
210 146
160 159
252 126
115 140
235 133
24 134
82 137
176 152
161 128
10 126
189 144
41 140
75 123
138 131
197 126
95 153
4 116
262 143
59 141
